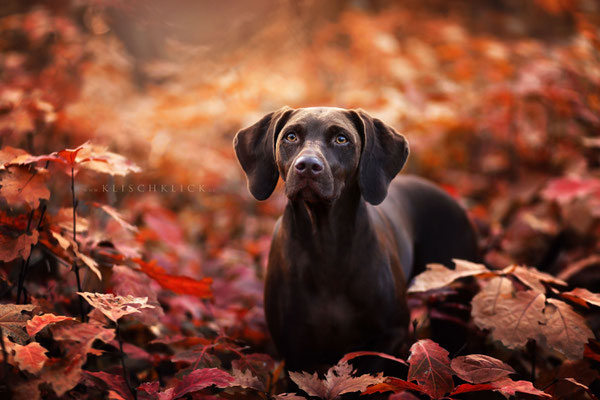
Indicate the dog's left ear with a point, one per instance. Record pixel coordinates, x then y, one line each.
384 152
255 149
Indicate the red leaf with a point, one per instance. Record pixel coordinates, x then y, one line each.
467 387
199 379
394 385
509 387
177 284
115 383
429 365
20 246
479 368
355 354
31 357
39 322
564 190
21 186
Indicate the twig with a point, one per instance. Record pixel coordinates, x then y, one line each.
25 262
122 356
75 267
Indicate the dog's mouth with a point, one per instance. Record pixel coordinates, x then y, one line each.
308 190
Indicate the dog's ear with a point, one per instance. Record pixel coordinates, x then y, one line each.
384 152
255 149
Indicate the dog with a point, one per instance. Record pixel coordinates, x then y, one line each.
351 235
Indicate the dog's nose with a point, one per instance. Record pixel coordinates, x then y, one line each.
308 166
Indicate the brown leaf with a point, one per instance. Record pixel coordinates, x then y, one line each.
509 387
338 380
429 365
565 330
582 297
31 357
99 159
39 322
12 321
11 248
532 277
21 186
479 368
512 318
115 307
8 154
437 275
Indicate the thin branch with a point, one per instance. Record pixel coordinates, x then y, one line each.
75 267
122 356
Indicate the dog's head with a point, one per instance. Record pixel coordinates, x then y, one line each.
319 152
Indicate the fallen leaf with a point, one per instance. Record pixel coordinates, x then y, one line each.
30 357
12 321
429 365
509 387
115 383
512 317
21 186
479 368
115 307
199 379
338 380
565 330
582 297
564 190
391 384
437 275
467 388
533 277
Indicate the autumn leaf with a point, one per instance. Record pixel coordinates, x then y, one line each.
84 333
115 307
338 380
116 216
564 190
510 388
8 153
565 330
353 355
39 322
479 368
199 379
114 383
583 297
468 388
31 357
437 275
177 284
429 365
391 384
12 321
11 248
247 379
533 277
21 186
513 318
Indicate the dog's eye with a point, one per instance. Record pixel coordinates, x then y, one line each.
341 139
291 137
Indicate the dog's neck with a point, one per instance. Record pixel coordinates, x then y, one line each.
329 230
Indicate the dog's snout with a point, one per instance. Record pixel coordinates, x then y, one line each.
308 166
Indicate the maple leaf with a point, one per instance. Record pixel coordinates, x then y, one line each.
31 357
429 365
338 380
246 379
21 186
39 322
12 321
115 307
125 280
479 368
509 387
533 277
199 379
114 383
8 153
11 248
564 329
513 318
437 275
582 297
177 284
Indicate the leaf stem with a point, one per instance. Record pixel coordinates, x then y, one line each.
122 356
25 263
75 267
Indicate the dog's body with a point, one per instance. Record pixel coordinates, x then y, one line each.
338 266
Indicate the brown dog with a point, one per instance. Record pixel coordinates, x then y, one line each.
344 248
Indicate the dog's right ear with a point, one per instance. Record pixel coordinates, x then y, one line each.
255 149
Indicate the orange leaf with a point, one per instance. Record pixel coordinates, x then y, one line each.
177 284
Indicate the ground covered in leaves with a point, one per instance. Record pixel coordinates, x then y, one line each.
132 256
